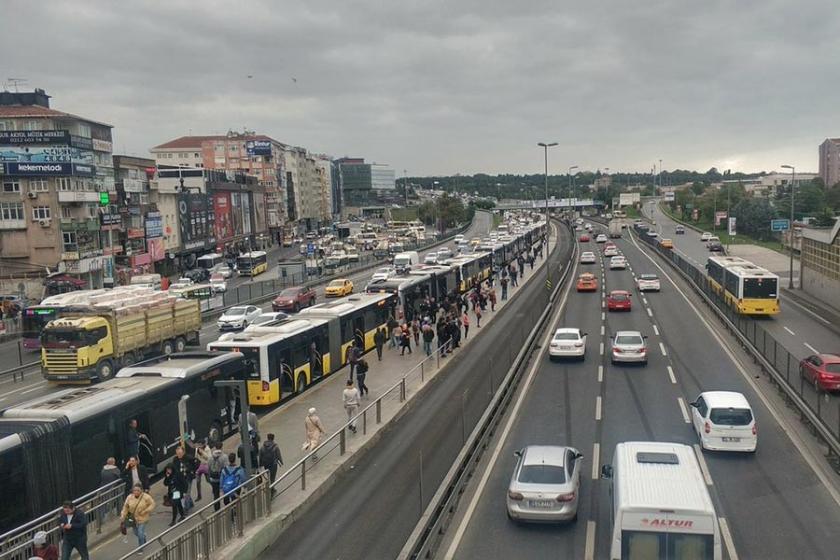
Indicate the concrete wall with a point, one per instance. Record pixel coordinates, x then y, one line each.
820 286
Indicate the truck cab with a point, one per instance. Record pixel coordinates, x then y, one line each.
72 348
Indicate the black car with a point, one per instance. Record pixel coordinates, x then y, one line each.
198 275
716 247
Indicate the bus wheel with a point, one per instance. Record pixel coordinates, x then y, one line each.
180 344
167 347
105 370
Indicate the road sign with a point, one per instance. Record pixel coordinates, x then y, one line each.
310 248
779 225
732 222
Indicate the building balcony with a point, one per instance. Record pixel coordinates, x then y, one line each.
72 224
13 224
78 196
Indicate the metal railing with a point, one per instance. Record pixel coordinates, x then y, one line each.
100 506
816 407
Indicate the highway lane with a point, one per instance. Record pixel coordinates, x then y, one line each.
774 504
34 385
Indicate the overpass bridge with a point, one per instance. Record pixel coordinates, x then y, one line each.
553 203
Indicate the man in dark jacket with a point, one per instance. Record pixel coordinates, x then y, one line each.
110 472
379 342
185 466
135 473
270 457
73 524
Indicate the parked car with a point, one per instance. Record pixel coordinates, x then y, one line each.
629 346
724 421
294 299
567 343
587 283
588 257
545 484
338 288
619 300
648 283
239 317
822 370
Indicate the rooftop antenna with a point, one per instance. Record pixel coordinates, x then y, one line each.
15 82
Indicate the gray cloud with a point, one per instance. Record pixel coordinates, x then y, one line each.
445 87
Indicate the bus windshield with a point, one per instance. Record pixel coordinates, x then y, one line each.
763 288
35 319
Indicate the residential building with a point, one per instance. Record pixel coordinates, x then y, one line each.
830 161
141 240
820 263
769 184
327 181
56 170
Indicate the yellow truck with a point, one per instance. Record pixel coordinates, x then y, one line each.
92 342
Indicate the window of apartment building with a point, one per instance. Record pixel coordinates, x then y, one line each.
11 211
92 210
66 212
199 165
196 155
68 239
6 125
11 186
38 185
41 213
234 148
84 130
64 184
32 125
182 155
219 147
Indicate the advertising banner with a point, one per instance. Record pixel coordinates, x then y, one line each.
258 147
196 221
224 225
154 225
23 137
719 217
45 154
732 229
247 227
155 248
101 145
26 169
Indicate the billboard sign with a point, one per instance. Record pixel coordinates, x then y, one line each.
25 137
154 225
732 229
45 154
258 147
628 199
779 225
195 221
54 169
669 196
224 224
156 249
719 217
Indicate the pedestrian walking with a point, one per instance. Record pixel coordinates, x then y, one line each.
392 329
477 312
415 331
135 473
428 337
361 375
405 342
73 524
176 489
314 431
136 510
41 549
491 295
354 354
270 457
504 284
253 449
202 458
253 425
110 472
233 477
531 261
378 342
455 332
465 320
215 464
351 403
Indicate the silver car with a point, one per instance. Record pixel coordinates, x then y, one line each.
545 484
629 346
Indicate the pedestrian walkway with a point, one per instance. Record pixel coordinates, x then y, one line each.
287 423
775 262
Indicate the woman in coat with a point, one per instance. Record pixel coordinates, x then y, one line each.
176 488
314 431
137 509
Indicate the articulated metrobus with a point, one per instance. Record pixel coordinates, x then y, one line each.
251 264
287 358
471 269
747 288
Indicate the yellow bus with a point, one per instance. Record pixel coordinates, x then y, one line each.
286 359
251 264
747 288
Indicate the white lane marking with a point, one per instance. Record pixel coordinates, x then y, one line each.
514 414
684 410
662 349
589 548
596 461
601 349
35 386
782 422
811 348
704 468
32 389
655 330
598 408
602 330
790 331
603 315
727 538
650 313
644 299
799 305
600 374
671 375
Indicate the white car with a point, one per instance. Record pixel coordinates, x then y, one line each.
239 317
601 238
222 269
705 236
610 251
383 273
459 237
217 283
648 283
588 257
724 421
588 227
445 253
567 343
431 258
268 319
618 263
652 233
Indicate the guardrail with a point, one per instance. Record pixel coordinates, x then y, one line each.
100 507
429 531
773 358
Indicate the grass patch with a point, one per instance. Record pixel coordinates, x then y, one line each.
632 212
404 214
497 219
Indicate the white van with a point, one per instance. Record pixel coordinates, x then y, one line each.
406 260
660 505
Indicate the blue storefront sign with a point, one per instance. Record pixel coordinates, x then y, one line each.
258 147
26 169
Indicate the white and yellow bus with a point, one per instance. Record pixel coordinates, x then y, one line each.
251 264
747 288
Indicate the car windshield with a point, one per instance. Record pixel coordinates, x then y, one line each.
264 319
649 277
542 474
288 293
618 297
628 339
832 368
234 311
337 283
565 336
731 416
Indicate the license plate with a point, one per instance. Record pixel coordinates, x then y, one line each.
541 503
731 440
565 348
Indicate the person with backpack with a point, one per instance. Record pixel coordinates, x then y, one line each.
215 464
176 489
270 457
361 375
233 477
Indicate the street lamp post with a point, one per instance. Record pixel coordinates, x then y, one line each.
790 228
572 190
545 146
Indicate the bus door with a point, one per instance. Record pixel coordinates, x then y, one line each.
286 371
319 353
335 343
359 330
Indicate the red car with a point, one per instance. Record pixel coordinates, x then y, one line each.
584 238
293 299
587 283
823 370
618 300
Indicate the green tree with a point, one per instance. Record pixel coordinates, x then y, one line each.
754 215
832 197
698 188
426 213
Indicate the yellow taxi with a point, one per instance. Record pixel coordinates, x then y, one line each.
339 287
666 244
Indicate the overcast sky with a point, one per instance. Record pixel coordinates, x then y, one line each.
450 87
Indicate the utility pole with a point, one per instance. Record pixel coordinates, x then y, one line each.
790 228
545 147
572 191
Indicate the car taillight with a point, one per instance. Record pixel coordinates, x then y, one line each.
755 430
617 350
578 344
566 497
265 386
707 428
642 350
554 345
515 496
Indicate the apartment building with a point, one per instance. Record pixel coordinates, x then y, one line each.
830 161
57 172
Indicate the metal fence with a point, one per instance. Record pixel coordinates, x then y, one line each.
100 506
818 408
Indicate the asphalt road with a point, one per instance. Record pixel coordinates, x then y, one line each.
373 507
34 385
774 504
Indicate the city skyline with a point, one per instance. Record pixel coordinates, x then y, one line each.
450 89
